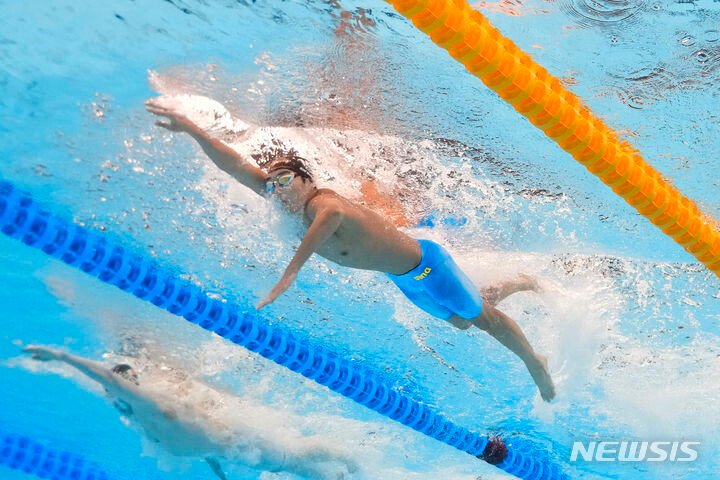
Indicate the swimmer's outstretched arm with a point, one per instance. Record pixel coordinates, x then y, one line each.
328 218
92 369
226 158
95 371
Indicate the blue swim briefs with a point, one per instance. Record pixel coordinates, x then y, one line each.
438 286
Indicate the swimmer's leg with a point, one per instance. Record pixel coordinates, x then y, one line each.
508 332
495 294
216 468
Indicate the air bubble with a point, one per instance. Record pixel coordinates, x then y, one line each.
687 40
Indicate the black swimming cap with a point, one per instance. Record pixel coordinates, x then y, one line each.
127 372
278 158
121 368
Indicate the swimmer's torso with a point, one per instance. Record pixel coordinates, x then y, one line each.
365 240
181 429
193 421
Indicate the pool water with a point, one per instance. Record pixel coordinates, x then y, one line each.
629 320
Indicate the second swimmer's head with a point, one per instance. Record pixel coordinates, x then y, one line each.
127 372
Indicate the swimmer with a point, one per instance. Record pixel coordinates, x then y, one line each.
354 236
182 424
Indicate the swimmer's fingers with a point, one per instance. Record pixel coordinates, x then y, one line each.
264 303
269 299
278 289
158 110
154 103
154 106
172 126
32 348
172 123
176 122
42 354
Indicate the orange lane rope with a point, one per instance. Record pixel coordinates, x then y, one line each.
471 40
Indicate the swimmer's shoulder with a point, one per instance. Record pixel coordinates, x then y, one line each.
323 196
326 197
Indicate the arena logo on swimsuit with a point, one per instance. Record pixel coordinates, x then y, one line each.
424 274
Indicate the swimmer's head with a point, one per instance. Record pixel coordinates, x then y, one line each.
127 372
290 160
289 179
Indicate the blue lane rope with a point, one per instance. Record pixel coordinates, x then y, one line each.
26 455
22 219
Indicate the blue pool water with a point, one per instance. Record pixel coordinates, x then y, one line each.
629 321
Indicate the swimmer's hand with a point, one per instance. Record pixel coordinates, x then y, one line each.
176 122
278 289
42 354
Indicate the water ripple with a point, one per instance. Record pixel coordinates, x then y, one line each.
697 68
644 87
589 13
709 61
711 36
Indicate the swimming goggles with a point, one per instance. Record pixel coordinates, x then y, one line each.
283 180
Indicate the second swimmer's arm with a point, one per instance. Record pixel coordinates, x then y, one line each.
91 369
216 468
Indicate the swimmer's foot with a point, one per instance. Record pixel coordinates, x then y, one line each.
528 283
523 283
541 375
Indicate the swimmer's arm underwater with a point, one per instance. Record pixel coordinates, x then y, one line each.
92 369
216 467
227 159
328 218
